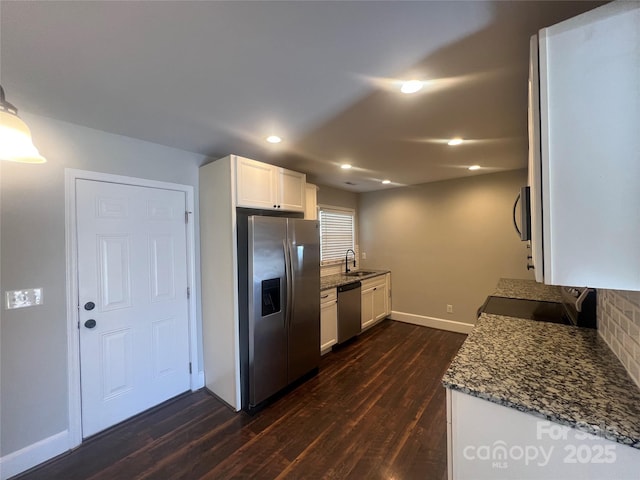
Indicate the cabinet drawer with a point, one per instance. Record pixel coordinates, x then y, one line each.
328 296
379 281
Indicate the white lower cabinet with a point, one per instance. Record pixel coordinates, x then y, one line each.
375 300
388 281
367 318
490 441
379 302
328 319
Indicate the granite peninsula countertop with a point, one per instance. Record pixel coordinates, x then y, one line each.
561 373
339 279
527 290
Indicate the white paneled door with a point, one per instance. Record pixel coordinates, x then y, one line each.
133 306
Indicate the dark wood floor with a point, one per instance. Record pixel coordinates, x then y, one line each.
376 410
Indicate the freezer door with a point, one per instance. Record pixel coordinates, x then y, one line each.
267 307
304 322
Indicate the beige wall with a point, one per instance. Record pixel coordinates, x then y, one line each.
445 243
33 349
337 198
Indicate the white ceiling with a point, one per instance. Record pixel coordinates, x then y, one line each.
218 77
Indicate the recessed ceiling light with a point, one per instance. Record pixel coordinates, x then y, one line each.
455 141
411 86
273 139
386 182
345 166
474 167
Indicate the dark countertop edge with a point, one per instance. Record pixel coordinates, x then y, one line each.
569 422
527 289
345 280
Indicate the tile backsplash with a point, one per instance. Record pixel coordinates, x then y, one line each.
619 326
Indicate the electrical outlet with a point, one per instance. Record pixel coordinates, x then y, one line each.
364 255
28 297
449 308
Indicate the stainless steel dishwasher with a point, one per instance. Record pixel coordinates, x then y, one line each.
349 307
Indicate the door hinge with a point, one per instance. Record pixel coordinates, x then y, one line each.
78 324
189 367
188 293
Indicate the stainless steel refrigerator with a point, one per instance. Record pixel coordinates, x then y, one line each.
281 337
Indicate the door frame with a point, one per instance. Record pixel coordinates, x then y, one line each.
73 333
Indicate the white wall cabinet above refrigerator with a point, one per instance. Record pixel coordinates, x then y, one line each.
264 186
584 164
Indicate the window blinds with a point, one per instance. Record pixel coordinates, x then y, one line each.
336 234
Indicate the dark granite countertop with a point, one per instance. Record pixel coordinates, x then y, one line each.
527 290
562 373
333 281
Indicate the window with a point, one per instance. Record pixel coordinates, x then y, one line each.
336 234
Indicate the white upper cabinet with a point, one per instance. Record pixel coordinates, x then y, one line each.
264 186
255 184
590 149
311 202
291 190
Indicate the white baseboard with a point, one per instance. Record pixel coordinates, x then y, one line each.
34 454
432 322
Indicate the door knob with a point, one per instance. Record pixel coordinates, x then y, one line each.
90 323
89 306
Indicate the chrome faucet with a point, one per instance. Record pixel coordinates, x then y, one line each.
346 260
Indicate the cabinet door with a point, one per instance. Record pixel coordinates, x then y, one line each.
590 112
256 184
328 325
367 317
311 202
485 440
380 301
388 280
291 190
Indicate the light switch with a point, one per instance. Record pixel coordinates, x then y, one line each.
28 297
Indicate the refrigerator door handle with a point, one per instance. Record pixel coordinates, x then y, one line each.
289 280
292 275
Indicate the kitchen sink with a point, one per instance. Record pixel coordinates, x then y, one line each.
359 273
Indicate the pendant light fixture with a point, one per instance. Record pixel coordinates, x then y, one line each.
15 137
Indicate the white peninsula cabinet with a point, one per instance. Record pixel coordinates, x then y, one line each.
264 186
376 300
491 441
328 319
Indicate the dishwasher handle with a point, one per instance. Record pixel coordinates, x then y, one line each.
349 286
